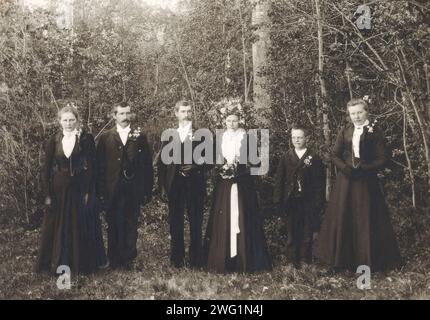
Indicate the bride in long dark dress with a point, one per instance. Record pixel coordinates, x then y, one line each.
356 229
235 239
71 231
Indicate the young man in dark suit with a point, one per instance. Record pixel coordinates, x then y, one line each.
299 194
183 185
124 183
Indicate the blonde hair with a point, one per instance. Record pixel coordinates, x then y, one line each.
68 109
356 102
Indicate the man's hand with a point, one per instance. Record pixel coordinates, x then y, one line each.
85 199
146 200
186 169
48 201
163 196
315 236
103 205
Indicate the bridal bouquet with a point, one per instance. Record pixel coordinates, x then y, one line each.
228 170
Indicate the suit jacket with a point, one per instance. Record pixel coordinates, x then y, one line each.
372 149
312 178
80 162
167 172
131 163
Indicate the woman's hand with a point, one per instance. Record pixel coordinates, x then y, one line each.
357 172
48 200
347 170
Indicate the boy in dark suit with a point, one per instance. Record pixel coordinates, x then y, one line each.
124 183
299 195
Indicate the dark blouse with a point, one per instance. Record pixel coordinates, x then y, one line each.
79 165
372 149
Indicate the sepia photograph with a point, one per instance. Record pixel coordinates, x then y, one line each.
214 155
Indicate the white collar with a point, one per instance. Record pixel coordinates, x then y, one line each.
230 134
300 153
186 126
70 134
366 123
120 129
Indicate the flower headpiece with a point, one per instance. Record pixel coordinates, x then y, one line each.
72 104
227 107
367 99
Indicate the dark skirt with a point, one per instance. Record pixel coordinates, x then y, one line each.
252 253
356 229
71 233
93 233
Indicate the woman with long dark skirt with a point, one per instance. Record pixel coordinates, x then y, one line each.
235 239
71 232
356 228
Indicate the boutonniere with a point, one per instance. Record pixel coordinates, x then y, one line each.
308 161
370 126
79 132
191 136
135 133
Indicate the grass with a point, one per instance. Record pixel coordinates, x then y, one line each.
153 278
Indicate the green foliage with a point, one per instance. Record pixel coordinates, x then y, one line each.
151 57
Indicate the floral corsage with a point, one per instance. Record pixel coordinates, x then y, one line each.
134 134
370 126
308 161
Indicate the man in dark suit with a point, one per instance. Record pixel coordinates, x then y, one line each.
299 194
182 182
124 183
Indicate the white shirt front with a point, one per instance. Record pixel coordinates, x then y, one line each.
184 130
123 133
230 148
358 131
68 142
300 153
231 143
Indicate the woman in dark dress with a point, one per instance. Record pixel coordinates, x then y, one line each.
235 238
356 229
71 232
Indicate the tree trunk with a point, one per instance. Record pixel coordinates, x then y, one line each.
260 20
243 29
325 119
